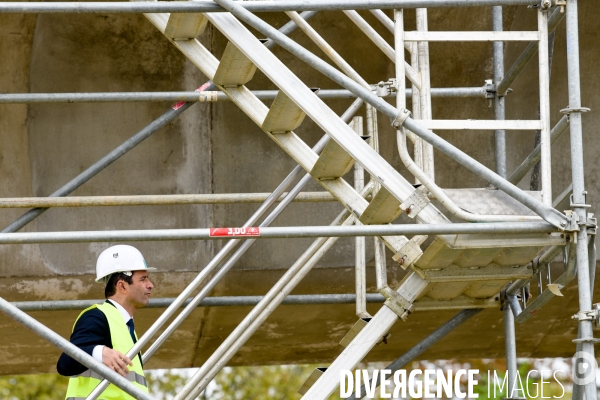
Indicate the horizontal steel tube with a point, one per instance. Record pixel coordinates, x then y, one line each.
488 36
274 232
233 301
480 124
155 200
224 301
106 97
201 6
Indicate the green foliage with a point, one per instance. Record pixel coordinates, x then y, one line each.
268 382
164 383
33 387
262 382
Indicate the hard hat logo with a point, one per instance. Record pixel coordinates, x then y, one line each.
119 258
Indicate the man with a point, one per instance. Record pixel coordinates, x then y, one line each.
105 331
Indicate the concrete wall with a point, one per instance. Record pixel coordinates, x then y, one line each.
215 148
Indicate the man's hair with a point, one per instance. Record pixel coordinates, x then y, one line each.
111 284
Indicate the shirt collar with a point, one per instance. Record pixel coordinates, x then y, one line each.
123 311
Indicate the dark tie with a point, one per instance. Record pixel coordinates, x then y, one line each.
131 330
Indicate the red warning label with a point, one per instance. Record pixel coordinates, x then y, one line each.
182 103
250 231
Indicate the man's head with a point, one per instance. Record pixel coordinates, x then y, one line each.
130 289
125 273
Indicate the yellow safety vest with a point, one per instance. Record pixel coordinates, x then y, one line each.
81 386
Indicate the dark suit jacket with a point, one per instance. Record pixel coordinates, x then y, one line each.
90 331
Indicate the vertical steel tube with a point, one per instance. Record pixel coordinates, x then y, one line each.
399 63
359 242
401 79
416 108
510 345
425 92
510 348
544 82
540 280
578 390
592 258
499 108
585 334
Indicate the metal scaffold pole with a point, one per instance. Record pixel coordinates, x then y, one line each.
205 96
499 108
206 6
500 149
579 203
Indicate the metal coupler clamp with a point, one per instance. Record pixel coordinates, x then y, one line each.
399 120
592 224
490 89
588 315
562 4
571 224
397 303
415 203
570 110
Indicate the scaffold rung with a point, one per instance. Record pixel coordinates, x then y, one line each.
477 36
185 26
235 69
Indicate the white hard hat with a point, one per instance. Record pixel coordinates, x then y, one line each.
119 258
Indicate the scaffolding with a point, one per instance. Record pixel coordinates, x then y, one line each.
487 264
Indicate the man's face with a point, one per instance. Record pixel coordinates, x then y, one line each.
140 289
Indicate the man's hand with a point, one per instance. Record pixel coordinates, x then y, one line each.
115 360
